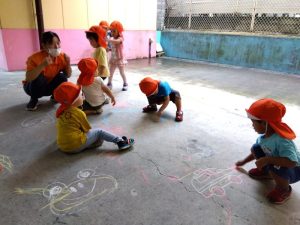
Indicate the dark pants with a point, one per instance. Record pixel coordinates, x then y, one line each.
154 99
290 174
40 86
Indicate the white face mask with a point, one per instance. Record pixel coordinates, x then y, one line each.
54 51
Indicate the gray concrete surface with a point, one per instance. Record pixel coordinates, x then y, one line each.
177 173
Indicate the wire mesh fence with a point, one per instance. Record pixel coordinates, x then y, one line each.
260 16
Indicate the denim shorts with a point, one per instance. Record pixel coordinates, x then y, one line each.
290 174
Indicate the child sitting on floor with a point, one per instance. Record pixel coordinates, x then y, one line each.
275 153
160 93
93 87
74 133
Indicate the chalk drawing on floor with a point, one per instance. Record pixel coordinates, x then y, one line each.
196 149
211 181
67 199
294 219
47 118
133 192
5 163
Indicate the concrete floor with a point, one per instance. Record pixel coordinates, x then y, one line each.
177 173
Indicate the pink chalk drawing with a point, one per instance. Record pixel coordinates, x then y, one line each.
122 105
211 181
114 129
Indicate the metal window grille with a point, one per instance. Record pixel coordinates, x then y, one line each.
259 16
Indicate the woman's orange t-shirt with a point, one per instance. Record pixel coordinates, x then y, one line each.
50 71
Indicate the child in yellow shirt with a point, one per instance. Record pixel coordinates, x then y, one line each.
74 133
97 38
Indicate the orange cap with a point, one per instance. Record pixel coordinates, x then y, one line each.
101 35
148 86
116 25
66 94
104 24
272 112
87 67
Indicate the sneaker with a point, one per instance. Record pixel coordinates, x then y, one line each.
32 104
179 116
109 85
258 174
52 99
278 195
125 87
125 143
150 108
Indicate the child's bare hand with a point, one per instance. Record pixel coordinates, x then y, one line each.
156 116
240 163
113 101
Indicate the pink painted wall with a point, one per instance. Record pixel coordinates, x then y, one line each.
136 44
75 44
3 63
21 43
18 45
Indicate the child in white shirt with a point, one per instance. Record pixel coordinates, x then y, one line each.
93 87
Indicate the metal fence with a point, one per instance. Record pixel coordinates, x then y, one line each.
260 16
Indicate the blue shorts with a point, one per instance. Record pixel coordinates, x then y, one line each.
290 174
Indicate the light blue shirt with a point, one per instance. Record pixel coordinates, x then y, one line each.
164 89
278 146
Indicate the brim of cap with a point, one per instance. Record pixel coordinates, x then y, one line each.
250 116
78 95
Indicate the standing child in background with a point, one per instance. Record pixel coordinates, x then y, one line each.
117 56
93 87
160 93
104 24
275 153
74 133
97 38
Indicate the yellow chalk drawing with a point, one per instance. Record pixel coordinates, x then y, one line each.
65 199
5 163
